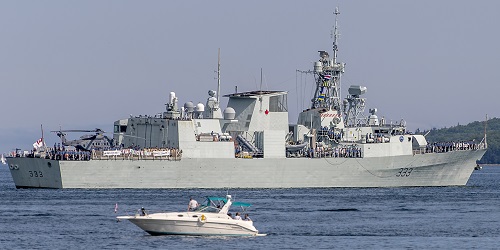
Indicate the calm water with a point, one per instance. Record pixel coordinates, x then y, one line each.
356 218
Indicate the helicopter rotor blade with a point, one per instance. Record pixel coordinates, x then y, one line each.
73 130
97 130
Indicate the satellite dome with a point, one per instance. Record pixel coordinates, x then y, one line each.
200 107
189 106
229 113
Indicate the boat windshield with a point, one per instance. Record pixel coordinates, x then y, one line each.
215 204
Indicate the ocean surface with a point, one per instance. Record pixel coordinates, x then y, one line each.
328 218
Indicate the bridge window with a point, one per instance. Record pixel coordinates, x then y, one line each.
278 103
120 129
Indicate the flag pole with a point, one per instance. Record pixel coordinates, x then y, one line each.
43 140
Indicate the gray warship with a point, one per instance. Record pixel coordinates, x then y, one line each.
250 144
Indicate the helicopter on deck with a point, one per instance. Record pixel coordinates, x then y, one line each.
97 141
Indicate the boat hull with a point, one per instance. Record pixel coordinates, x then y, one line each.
192 226
433 169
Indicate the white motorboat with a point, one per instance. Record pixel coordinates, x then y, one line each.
209 219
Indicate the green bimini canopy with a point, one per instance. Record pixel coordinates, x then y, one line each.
211 199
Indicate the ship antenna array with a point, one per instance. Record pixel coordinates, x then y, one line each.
335 35
218 79
260 80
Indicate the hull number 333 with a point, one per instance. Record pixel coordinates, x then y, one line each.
404 172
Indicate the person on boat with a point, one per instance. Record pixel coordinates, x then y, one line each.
143 212
193 204
247 218
237 216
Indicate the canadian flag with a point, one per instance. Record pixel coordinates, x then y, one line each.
38 144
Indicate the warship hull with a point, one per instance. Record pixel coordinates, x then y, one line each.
252 144
432 169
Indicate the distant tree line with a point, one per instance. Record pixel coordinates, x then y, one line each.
472 131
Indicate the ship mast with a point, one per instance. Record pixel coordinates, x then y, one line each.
327 73
335 35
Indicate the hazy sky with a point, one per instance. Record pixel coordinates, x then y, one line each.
85 64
